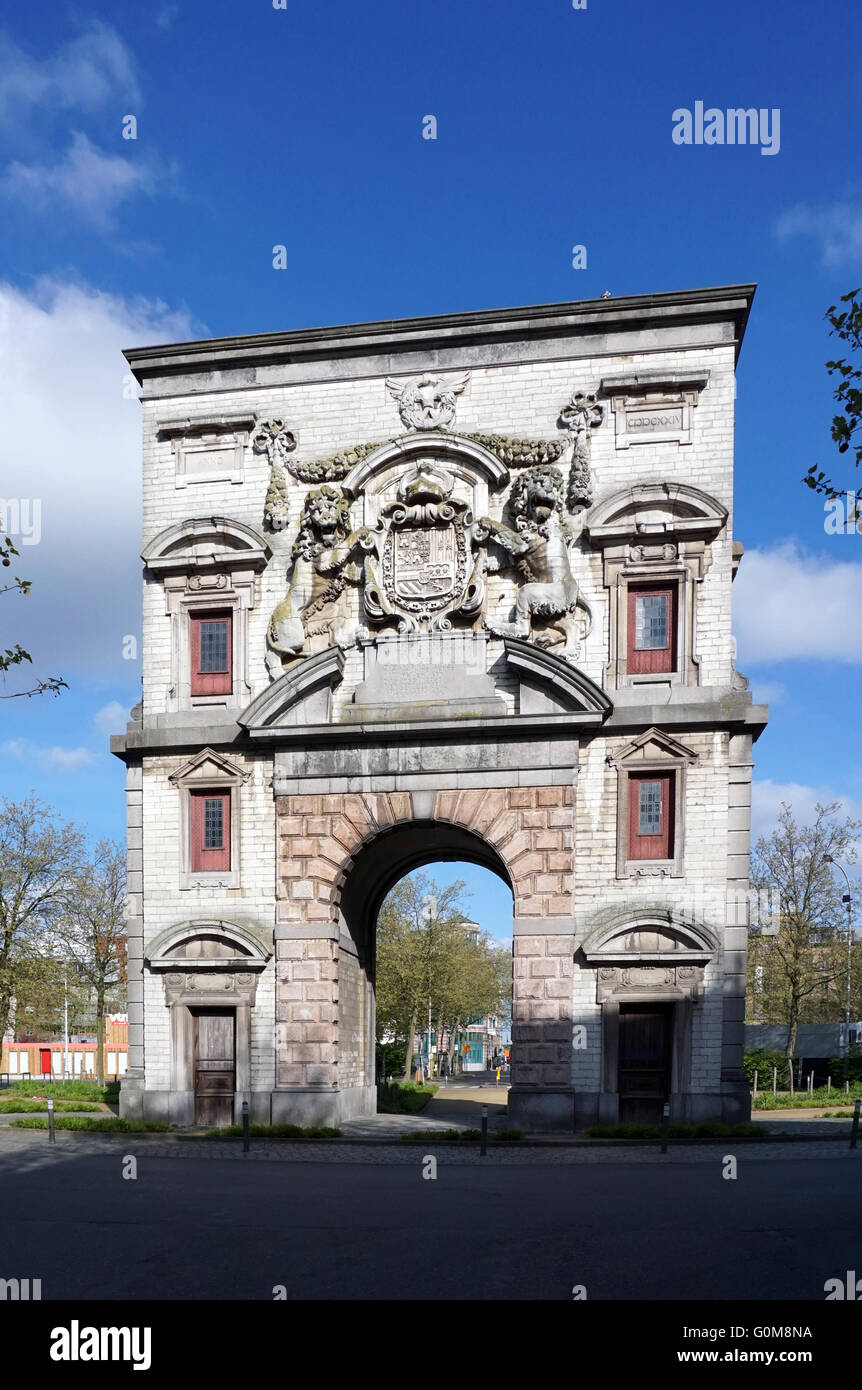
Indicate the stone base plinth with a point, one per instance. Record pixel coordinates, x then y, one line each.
541 1112
132 1096
309 1105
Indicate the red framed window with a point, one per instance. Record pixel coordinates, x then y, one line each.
651 629
651 814
209 834
211 651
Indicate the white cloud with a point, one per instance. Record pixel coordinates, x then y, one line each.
111 718
836 228
792 605
70 439
91 182
53 759
83 74
768 692
767 797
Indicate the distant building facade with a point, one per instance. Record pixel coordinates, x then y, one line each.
456 587
24 1059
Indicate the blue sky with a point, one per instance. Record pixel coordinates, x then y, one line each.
303 127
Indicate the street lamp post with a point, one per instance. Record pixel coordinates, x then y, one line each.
848 900
65 1026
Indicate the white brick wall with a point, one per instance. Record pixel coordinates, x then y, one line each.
166 905
518 400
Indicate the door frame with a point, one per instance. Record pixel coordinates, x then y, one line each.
218 1011
680 1045
666 1011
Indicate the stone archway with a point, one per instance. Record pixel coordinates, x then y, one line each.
339 855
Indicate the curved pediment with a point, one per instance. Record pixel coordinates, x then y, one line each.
210 944
206 542
452 449
652 936
300 696
563 686
660 509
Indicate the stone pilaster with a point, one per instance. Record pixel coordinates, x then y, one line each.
132 1085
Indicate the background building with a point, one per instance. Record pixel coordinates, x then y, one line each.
51 1057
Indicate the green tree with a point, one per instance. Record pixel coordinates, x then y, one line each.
797 975
91 933
15 656
426 958
846 430
415 940
42 983
39 856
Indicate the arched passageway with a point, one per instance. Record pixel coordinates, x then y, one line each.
325 942
381 863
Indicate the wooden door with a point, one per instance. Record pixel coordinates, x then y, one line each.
45 1061
214 1065
644 1061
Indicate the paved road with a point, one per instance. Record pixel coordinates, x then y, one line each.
525 1226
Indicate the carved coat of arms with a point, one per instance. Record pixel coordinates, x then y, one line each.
426 557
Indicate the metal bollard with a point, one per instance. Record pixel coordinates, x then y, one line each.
245 1141
855 1129
484 1146
52 1140
665 1125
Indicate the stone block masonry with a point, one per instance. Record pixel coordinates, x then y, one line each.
318 991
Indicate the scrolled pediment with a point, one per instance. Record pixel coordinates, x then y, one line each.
301 696
563 686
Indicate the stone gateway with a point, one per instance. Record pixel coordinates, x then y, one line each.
443 588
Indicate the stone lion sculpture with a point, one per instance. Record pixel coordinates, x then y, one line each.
324 560
539 549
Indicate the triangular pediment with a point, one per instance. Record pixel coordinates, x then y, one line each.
209 766
654 746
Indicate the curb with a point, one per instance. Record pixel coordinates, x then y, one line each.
534 1143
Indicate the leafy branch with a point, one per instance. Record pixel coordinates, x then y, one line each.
14 656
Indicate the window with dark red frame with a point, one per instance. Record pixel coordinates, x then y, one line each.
651 814
211 651
209 832
651 629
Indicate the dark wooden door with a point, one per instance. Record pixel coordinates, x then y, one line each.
214 1066
644 1065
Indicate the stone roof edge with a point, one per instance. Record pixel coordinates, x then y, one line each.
527 321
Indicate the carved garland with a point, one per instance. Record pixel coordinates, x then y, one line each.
516 453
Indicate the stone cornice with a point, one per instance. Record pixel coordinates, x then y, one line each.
733 712
719 304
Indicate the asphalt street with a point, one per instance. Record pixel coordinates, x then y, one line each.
206 1227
